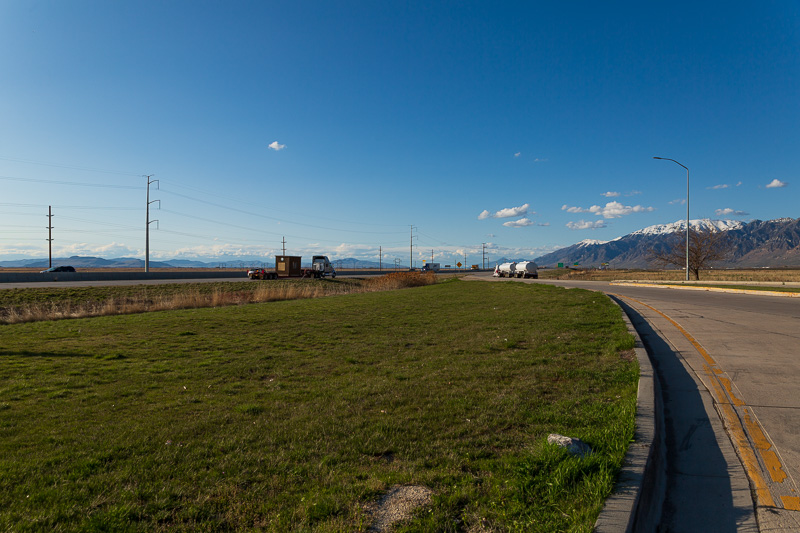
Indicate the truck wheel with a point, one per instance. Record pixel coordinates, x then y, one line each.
333 275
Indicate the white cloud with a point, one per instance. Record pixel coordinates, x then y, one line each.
729 211
679 201
610 194
544 224
633 193
275 145
585 224
512 211
540 160
517 154
610 210
616 210
739 184
776 183
720 186
347 249
507 212
521 223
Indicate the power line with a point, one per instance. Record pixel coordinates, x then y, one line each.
76 183
59 165
259 215
260 206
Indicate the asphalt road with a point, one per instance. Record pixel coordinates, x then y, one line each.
730 371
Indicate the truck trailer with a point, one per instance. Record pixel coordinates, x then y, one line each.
523 269
290 266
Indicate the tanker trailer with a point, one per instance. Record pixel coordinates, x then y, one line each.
526 269
506 270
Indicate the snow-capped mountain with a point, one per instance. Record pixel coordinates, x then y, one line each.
771 243
590 242
704 224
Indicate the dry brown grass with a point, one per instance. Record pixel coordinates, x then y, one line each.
755 275
400 280
190 299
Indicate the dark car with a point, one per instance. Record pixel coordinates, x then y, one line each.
59 269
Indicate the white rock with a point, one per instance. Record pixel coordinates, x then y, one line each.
573 446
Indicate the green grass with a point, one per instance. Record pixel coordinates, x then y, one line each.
291 416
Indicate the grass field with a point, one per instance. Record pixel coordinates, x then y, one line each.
297 415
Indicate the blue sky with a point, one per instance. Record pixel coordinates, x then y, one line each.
526 126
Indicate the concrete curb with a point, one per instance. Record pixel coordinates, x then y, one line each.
708 289
635 504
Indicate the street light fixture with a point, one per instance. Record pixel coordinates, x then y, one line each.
687 211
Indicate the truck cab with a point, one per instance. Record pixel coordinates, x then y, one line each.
322 267
431 267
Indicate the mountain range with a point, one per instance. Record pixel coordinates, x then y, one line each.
131 262
771 243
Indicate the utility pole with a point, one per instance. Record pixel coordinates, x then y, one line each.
147 226
50 234
380 258
484 255
465 260
283 241
411 250
431 256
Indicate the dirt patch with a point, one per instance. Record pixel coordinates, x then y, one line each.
398 504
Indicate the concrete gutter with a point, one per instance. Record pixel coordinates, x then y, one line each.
635 503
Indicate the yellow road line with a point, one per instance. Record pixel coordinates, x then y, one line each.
708 289
722 391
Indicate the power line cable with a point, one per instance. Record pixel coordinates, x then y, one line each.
237 200
59 165
277 219
61 182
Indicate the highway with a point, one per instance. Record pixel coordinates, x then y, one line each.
729 366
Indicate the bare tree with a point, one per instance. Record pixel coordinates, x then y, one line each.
705 248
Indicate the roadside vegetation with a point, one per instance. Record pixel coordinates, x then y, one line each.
29 305
760 275
299 415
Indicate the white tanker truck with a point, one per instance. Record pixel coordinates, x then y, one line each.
523 269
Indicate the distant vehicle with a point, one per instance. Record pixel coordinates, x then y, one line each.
526 269
523 269
257 273
431 267
506 270
58 269
288 266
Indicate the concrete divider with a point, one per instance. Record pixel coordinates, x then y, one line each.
32 277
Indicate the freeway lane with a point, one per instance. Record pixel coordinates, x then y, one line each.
743 354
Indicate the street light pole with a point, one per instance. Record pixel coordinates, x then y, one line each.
687 211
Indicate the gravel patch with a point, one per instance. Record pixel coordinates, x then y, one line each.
398 504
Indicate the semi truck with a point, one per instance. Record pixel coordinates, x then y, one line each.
290 266
523 269
431 267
